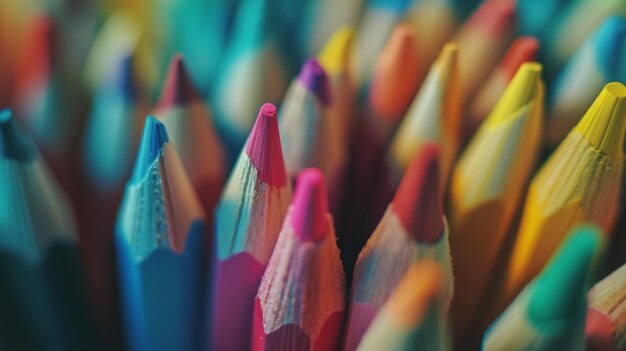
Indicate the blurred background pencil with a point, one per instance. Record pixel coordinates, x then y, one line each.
605 328
42 296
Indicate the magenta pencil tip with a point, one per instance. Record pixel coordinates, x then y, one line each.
418 200
314 78
264 149
310 206
178 89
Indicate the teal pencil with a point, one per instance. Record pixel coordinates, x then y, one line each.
549 314
42 295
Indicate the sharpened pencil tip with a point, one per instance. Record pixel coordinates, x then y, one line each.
417 202
598 330
178 89
310 206
523 49
561 288
264 149
153 140
608 43
604 124
13 143
335 55
314 78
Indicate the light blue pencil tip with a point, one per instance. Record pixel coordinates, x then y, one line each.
152 143
561 288
608 42
13 143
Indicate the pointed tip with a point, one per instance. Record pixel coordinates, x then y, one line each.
310 206
178 89
604 124
561 288
396 73
418 203
608 43
523 49
417 290
13 143
494 16
264 149
335 56
313 77
525 87
152 142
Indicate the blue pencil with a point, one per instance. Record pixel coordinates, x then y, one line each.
160 239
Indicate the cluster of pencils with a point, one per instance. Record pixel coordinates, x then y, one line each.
456 166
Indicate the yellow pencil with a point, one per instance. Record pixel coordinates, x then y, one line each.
580 181
434 116
487 186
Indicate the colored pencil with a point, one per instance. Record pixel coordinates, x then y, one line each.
301 301
413 318
118 37
605 328
248 221
523 49
487 187
549 314
189 125
335 60
580 181
413 228
594 64
42 295
395 81
434 116
251 73
160 236
116 113
482 40
310 135
377 22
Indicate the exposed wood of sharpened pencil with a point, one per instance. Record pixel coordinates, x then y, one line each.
248 220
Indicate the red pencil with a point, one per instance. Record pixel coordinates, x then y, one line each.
413 228
301 301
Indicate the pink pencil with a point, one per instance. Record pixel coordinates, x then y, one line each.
248 220
301 300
